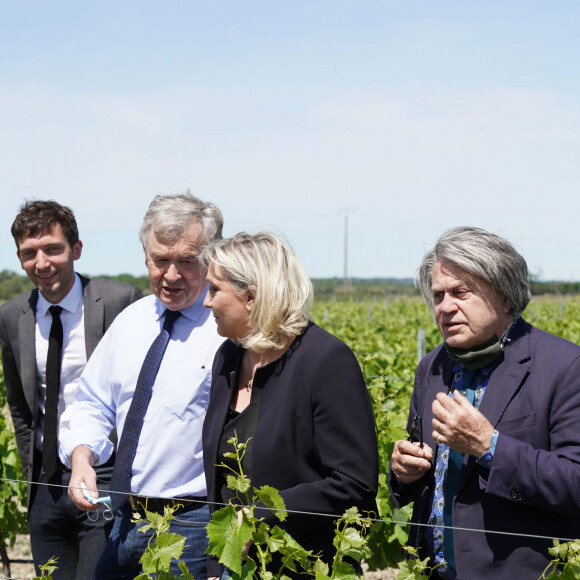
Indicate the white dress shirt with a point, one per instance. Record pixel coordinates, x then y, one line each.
74 355
169 459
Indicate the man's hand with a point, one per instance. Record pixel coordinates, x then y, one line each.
409 461
460 425
82 472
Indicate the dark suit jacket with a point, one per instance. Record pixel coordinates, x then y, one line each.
313 432
533 486
102 301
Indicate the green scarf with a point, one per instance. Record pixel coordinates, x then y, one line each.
476 357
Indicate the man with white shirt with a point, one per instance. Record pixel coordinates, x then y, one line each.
156 396
71 313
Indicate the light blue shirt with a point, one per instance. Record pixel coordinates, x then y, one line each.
169 460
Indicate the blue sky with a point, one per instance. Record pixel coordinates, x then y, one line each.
417 116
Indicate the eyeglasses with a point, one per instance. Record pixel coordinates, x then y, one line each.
416 433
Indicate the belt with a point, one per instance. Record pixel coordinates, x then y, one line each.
157 504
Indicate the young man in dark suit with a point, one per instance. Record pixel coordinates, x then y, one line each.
46 337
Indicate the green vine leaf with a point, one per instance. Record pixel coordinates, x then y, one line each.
157 522
272 499
167 547
240 483
320 569
185 572
249 568
226 538
351 543
413 570
344 571
47 569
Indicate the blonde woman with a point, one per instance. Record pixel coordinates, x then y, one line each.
293 388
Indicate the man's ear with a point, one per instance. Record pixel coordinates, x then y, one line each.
77 250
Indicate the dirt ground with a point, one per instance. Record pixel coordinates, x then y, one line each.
21 551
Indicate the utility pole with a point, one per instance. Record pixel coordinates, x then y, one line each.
345 211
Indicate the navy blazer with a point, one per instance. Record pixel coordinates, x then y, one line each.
313 433
533 486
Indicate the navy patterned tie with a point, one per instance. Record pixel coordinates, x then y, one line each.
53 365
121 479
467 386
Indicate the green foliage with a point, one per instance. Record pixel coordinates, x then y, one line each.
362 288
47 569
141 282
11 284
566 562
163 547
234 528
383 334
413 568
12 495
227 539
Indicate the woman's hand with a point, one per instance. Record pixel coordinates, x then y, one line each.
249 543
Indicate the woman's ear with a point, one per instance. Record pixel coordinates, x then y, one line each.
251 297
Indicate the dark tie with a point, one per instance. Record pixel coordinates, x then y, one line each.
121 479
53 364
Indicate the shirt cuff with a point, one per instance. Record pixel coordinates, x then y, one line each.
486 459
101 452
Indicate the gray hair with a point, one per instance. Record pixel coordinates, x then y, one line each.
484 255
170 215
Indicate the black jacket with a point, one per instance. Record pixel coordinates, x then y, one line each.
313 433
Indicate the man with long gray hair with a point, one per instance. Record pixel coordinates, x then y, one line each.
150 378
499 475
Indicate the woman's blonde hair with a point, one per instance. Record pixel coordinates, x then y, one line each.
268 268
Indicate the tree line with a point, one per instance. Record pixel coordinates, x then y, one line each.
13 284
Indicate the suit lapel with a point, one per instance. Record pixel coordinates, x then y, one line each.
94 316
27 347
503 384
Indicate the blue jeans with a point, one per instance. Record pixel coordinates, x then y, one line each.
126 545
59 528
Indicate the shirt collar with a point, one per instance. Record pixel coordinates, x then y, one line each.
71 302
192 312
